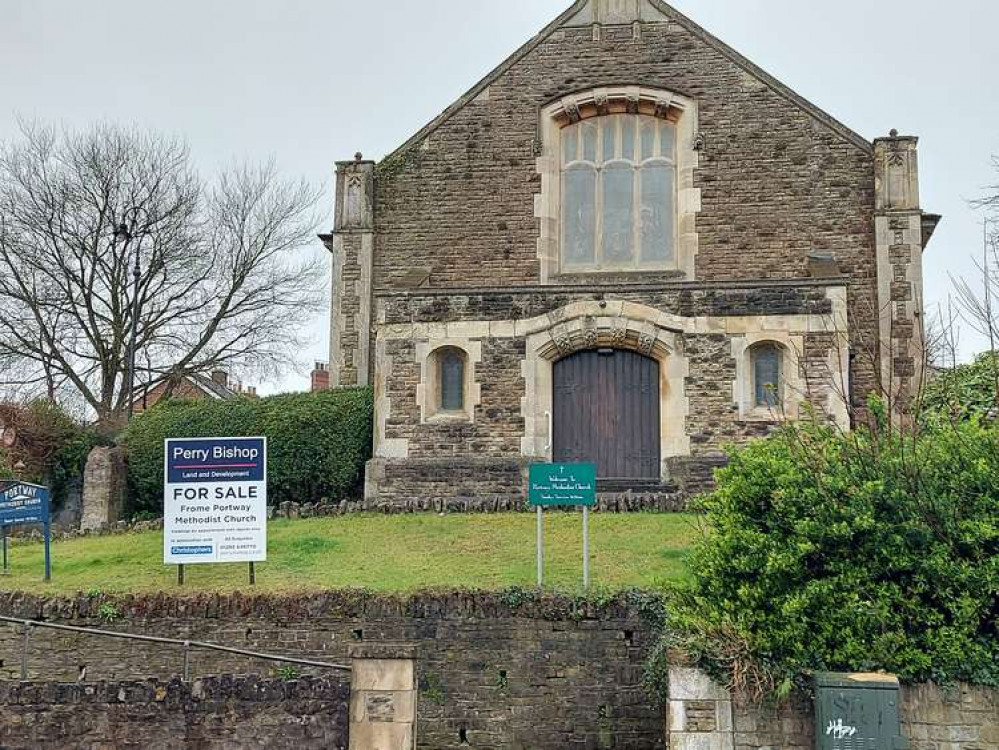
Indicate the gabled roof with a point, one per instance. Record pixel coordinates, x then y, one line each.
577 14
211 388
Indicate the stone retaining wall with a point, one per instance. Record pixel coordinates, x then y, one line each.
512 670
210 714
496 485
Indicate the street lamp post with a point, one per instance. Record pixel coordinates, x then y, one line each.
124 234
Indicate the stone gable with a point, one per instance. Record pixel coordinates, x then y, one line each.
455 240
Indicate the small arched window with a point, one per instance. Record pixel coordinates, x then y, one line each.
451 380
767 363
619 203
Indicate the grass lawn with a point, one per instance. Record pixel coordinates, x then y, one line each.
382 553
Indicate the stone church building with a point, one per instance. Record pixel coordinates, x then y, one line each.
630 245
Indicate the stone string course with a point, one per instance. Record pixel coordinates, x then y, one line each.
218 713
801 297
509 670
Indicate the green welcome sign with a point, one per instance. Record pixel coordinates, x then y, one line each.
563 485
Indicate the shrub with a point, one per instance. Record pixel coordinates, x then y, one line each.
317 443
847 552
965 391
52 445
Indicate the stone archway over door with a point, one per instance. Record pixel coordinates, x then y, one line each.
606 411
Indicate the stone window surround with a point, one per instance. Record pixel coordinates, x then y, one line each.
428 390
791 388
618 324
613 100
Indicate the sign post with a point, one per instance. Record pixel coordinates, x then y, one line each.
563 486
541 547
23 504
215 502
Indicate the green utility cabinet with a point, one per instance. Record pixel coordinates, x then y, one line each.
858 712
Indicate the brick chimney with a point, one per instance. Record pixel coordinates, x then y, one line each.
220 377
321 377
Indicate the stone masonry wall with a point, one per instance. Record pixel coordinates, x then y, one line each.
703 716
478 464
490 485
505 671
686 300
347 275
962 717
210 714
777 184
498 423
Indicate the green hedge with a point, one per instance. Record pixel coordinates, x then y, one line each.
318 443
846 552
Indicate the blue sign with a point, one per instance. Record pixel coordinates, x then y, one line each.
215 460
192 550
23 504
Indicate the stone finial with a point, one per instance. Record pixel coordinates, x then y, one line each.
896 172
893 133
358 156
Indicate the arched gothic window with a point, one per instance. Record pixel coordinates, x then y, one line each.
619 193
768 365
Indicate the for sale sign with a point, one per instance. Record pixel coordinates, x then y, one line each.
215 500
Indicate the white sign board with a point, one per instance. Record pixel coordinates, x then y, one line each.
215 500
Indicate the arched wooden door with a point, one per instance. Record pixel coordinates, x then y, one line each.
606 411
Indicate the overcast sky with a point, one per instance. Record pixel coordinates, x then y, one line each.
313 81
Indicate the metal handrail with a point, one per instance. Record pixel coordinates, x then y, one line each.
188 645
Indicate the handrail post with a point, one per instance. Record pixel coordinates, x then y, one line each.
187 661
24 650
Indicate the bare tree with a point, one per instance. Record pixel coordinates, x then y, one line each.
221 281
979 297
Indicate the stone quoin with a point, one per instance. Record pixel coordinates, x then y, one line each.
629 245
